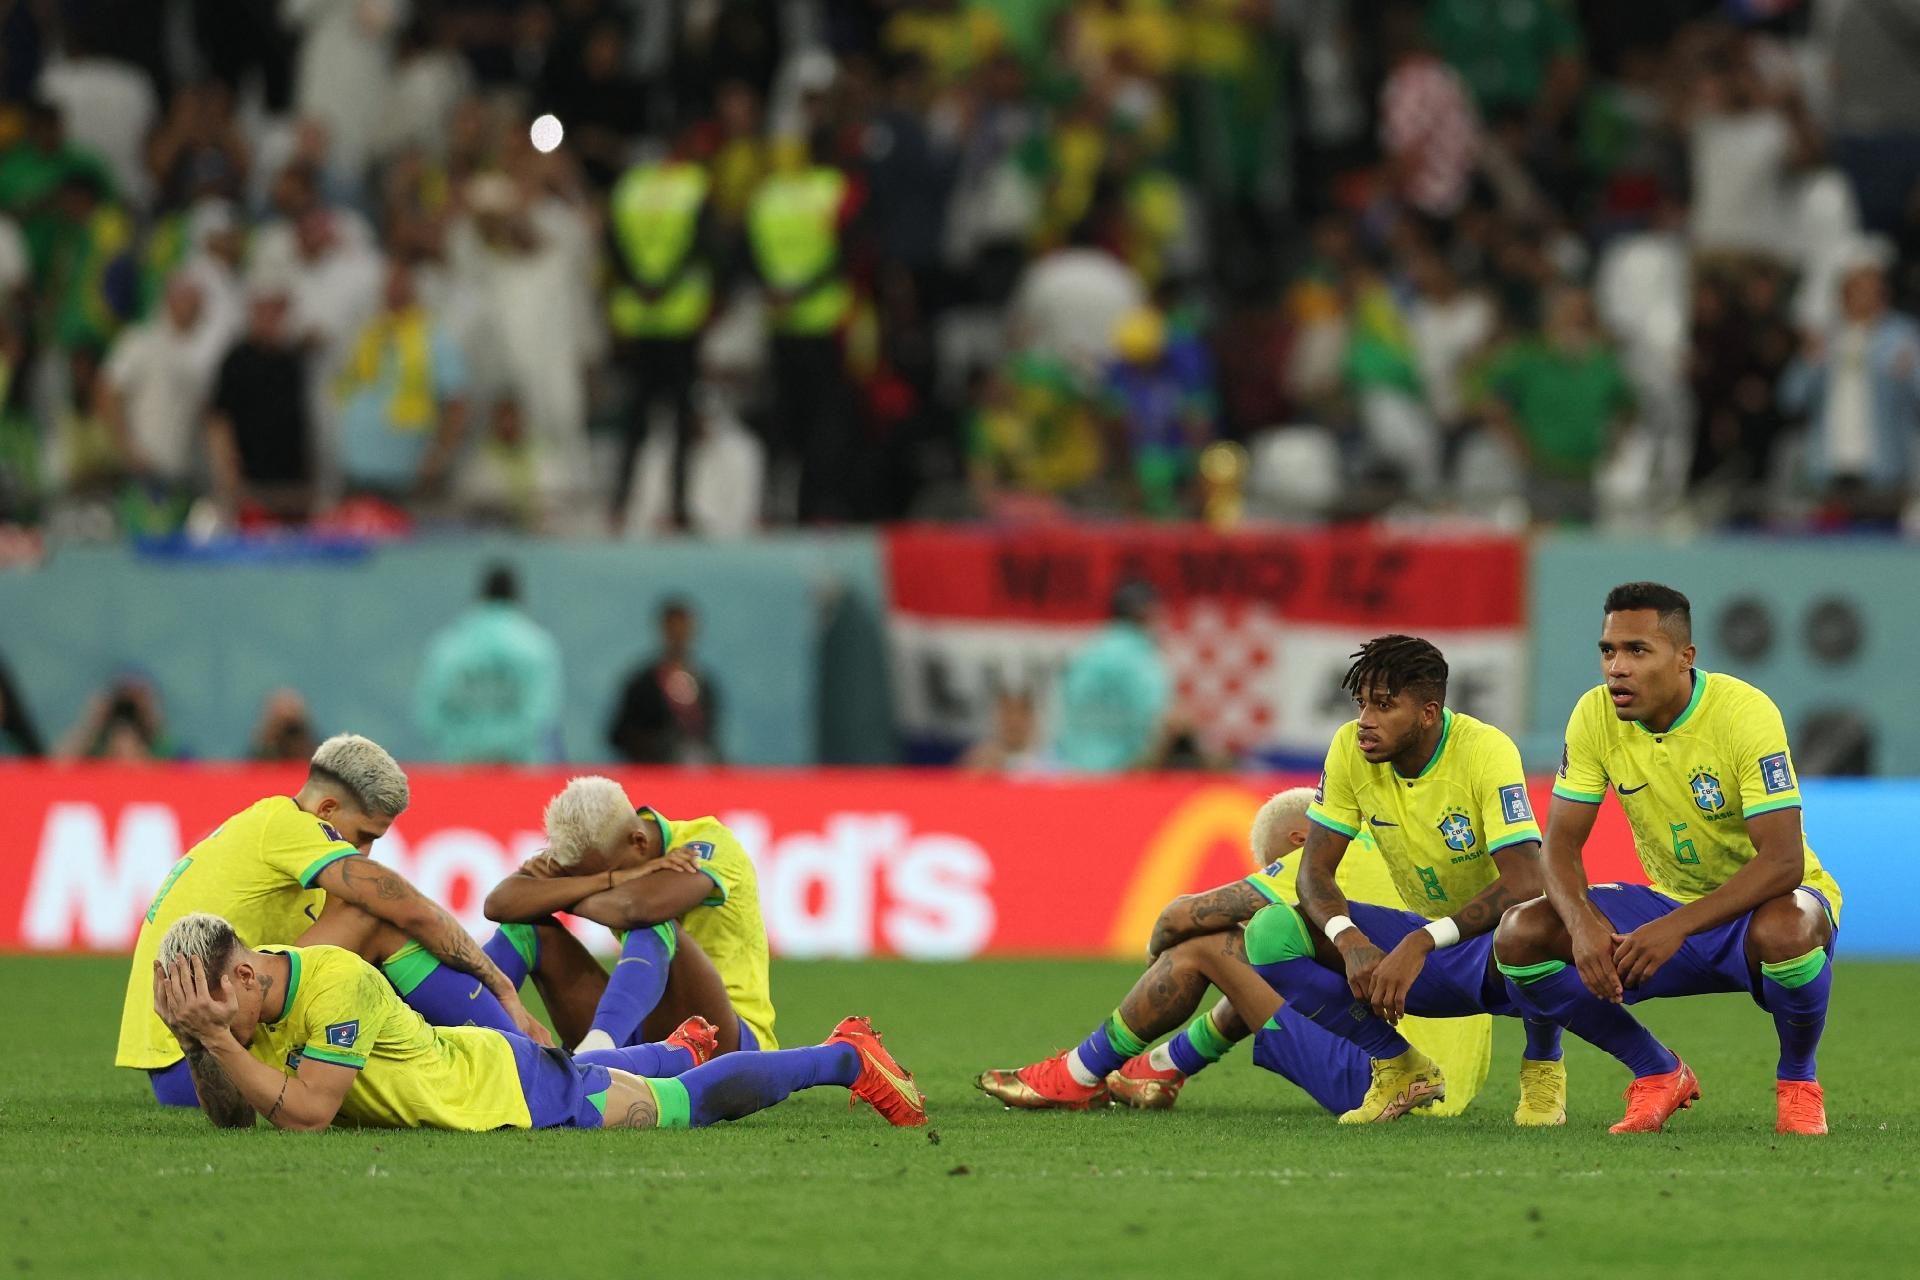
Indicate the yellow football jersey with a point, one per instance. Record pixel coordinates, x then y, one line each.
727 925
1688 792
1436 832
1462 1046
256 871
409 1075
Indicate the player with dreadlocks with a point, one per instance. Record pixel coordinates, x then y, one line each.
1443 797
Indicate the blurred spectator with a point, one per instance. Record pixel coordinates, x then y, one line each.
198 152
1516 55
1013 745
1449 325
86 457
18 736
87 286
401 396
490 685
1561 399
661 300
108 107
1033 433
1876 105
342 73
602 104
1429 131
124 723
1070 301
285 731
796 233
1741 345
1158 396
1859 387
1115 693
1748 132
154 392
499 482
669 710
722 470
259 429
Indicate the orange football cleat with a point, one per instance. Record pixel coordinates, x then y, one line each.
1803 1107
697 1036
1145 1087
1652 1099
1043 1086
883 1084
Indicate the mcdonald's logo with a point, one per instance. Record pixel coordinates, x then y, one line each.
1175 852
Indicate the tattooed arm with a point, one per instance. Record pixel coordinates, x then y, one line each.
383 893
1521 879
218 1096
1321 898
1210 912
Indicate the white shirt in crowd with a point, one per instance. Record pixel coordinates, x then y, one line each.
14 263
108 108
1446 334
162 375
1069 302
726 473
1739 162
343 72
1849 416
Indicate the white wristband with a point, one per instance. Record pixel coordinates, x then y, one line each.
1444 932
1337 926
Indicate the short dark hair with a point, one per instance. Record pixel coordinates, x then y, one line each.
500 584
1675 610
1400 663
1132 601
674 606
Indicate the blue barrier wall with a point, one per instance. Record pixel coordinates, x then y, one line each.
1862 828
349 634
1822 625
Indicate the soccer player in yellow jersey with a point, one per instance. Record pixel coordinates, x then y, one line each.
708 890
1445 801
273 867
1196 943
306 1036
1736 899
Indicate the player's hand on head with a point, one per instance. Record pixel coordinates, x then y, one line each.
199 1010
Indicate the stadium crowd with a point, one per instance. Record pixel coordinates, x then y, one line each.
826 261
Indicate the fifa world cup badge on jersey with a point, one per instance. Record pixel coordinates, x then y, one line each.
1320 791
699 849
1775 776
1514 804
327 829
1708 794
341 1035
1457 828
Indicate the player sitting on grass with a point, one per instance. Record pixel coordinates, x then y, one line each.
308 1035
273 866
1445 800
658 882
1193 936
1737 900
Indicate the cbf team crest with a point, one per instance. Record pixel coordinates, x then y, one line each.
1457 827
1708 794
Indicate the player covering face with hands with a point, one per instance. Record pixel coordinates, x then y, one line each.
305 1036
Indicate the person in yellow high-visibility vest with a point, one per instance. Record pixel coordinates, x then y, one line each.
662 297
797 236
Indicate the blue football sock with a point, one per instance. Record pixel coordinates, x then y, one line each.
1543 1039
1796 993
739 1084
515 950
1559 996
661 1060
1111 1044
1323 997
1198 1046
444 997
634 988
173 1086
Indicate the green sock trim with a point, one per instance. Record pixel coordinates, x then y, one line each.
1206 1038
1121 1036
526 940
1277 933
675 1107
1530 972
669 937
408 967
1797 972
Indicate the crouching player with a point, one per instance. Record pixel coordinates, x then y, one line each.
1736 899
1197 937
308 1035
677 894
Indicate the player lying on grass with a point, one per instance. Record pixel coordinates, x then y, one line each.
657 883
1193 936
1444 798
1737 900
306 1036
273 866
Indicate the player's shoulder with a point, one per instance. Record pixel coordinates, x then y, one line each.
287 823
1731 697
1593 712
1477 737
707 837
1341 750
324 967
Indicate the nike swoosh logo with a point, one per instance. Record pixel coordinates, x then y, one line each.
1627 791
310 915
1376 822
474 994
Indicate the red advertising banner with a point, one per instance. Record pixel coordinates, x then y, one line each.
1256 626
851 862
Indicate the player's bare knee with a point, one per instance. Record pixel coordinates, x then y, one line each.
1526 933
1787 928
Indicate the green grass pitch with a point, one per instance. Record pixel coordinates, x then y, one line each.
1244 1178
